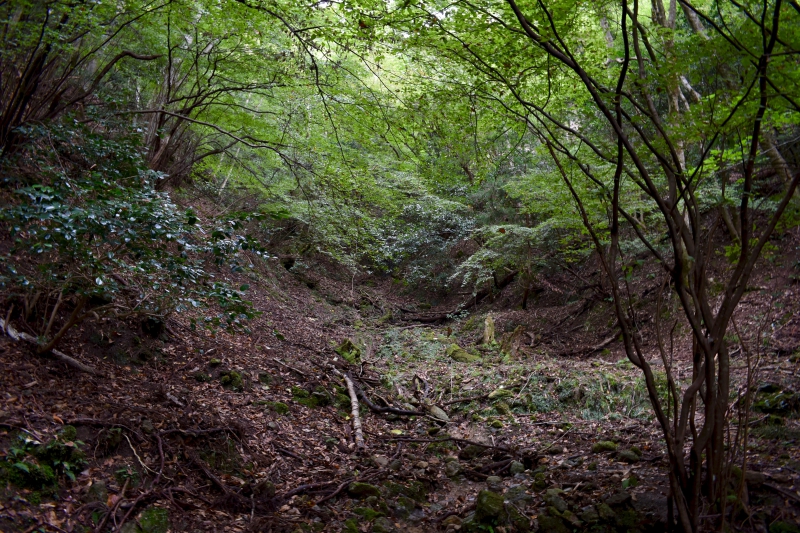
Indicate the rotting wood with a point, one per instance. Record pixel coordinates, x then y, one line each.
15 335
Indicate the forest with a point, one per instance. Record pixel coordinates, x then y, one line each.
400 266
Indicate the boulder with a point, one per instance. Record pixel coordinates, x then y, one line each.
489 505
459 354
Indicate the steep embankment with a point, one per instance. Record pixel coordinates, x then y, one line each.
194 430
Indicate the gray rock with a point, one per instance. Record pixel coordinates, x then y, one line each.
452 469
494 483
383 525
147 426
489 505
438 413
553 498
518 495
589 515
395 465
362 490
552 524
605 512
618 499
98 492
471 451
380 460
516 468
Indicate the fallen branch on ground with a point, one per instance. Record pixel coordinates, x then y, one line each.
12 332
354 410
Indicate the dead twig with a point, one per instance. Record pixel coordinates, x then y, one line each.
15 335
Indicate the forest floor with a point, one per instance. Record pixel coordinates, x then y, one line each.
548 428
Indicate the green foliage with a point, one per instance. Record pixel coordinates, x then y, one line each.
35 465
99 235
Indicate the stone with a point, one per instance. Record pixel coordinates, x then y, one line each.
452 469
605 512
555 450
516 468
552 524
754 479
147 426
604 446
154 520
438 413
494 483
589 515
539 481
488 330
395 465
471 451
349 351
496 424
500 393
627 456
452 520
518 495
489 505
97 492
618 499
380 461
460 355
383 525
362 490
570 517
553 498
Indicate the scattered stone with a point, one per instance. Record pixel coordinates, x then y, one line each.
517 494
459 354
362 490
422 464
494 483
539 481
395 465
503 408
349 351
604 446
383 525
516 468
452 520
147 426
555 450
605 512
98 492
471 451
438 413
754 479
452 469
553 498
496 424
367 513
628 456
380 461
214 362
278 407
618 499
489 505
552 524
500 393
570 517
590 515
592 466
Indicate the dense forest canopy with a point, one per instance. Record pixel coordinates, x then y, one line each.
450 145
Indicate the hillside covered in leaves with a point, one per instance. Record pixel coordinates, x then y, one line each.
399 266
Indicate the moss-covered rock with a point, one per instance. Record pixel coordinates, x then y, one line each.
154 520
628 456
278 407
459 354
552 524
349 351
367 513
232 380
604 446
489 505
362 490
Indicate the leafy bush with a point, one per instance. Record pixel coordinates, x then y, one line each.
91 232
